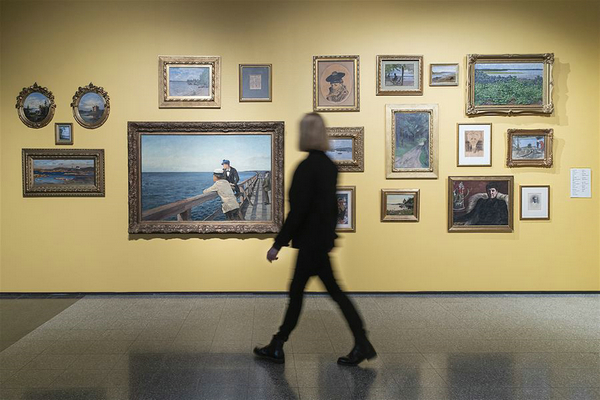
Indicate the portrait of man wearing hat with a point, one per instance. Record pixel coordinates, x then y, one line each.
231 175
337 90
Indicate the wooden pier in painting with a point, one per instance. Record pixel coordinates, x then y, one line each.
252 204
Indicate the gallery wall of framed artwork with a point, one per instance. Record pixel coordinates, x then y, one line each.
336 83
35 106
347 148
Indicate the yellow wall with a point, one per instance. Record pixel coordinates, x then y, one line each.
81 244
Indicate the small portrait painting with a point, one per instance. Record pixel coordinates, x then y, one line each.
443 75
400 205
535 202
64 133
530 148
399 75
474 142
335 84
346 209
255 82
474 145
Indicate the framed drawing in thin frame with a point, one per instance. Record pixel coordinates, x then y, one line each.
399 75
480 203
529 148
256 82
474 145
346 148
346 200
535 202
400 205
189 82
91 106
63 133
175 186
411 141
509 84
336 83
63 173
441 74
35 106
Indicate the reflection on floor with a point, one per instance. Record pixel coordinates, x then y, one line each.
199 347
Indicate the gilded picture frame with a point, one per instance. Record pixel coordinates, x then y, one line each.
488 75
346 200
251 87
91 106
347 159
63 173
529 148
63 133
481 204
186 205
399 75
474 144
400 205
412 141
336 83
35 106
189 82
535 202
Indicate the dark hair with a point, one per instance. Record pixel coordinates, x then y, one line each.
491 185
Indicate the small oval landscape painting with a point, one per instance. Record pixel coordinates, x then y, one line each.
91 108
36 107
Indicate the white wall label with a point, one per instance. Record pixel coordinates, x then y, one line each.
581 182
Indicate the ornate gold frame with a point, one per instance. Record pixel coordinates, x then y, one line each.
251 99
481 228
548 156
458 125
57 139
358 138
21 101
390 142
356 62
352 190
521 187
405 92
81 91
547 106
165 101
400 218
443 84
29 190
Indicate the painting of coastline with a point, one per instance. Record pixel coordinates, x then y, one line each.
340 149
189 81
412 136
508 83
399 74
179 167
91 107
36 107
63 172
528 147
444 75
400 204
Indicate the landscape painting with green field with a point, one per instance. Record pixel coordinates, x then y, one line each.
412 135
509 83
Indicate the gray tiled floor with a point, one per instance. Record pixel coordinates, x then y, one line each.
199 347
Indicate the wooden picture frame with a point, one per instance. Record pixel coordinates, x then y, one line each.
535 202
488 75
336 83
189 82
346 198
391 78
474 145
253 79
529 148
351 160
444 74
259 193
63 133
411 141
403 210
63 173
35 106
91 106
480 203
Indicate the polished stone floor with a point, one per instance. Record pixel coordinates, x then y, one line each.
199 347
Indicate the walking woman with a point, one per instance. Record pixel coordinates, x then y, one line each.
310 226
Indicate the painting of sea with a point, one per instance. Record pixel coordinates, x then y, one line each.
36 107
443 75
519 83
400 204
340 149
189 81
91 107
63 172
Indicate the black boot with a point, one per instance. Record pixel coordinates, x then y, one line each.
272 352
362 351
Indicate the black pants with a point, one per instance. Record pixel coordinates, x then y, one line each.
310 263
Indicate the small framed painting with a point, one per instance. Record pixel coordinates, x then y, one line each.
346 202
399 75
346 148
529 148
535 202
474 145
189 82
256 82
63 133
91 106
400 205
35 105
443 74
336 83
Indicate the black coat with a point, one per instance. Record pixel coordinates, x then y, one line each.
487 212
312 219
232 176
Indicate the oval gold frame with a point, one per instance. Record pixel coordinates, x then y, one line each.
21 102
77 98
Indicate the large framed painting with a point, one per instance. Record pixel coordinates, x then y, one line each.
256 82
91 106
336 83
474 145
411 141
205 177
57 172
35 106
346 201
509 84
529 148
535 202
480 203
346 148
399 75
400 205
189 82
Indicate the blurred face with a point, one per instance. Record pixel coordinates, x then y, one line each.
215 178
225 166
492 193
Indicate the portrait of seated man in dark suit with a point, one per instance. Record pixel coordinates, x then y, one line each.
490 208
